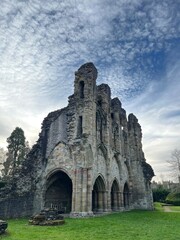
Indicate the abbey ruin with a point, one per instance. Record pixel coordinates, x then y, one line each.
88 158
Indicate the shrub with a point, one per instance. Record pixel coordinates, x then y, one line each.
173 198
160 194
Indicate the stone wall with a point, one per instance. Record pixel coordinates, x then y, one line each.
17 206
57 132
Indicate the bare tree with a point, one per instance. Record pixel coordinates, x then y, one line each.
2 157
174 163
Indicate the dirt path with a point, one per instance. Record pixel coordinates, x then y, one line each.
168 209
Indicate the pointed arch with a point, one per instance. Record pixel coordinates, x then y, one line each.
115 196
99 195
58 194
100 183
103 149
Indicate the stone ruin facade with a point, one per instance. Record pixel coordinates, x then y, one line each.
88 158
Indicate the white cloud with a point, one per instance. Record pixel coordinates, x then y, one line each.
158 110
44 42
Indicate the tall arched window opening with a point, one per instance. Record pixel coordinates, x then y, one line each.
115 196
79 127
126 195
81 89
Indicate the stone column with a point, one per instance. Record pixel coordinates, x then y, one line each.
74 192
119 201
77 192
96 201
129 200
89 192
84 190
115 196
105 201
109 201
100 201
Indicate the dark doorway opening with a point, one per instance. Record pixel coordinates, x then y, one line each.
98 195
126 195
59 192
114 196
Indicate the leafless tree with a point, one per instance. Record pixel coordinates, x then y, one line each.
2 157
174 163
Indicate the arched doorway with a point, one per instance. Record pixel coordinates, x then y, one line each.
114 196
98 195
126 195
59 192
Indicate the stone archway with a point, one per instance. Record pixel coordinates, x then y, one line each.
126 195
99 202
59 192
115 196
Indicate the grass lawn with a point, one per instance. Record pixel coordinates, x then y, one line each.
135 225
175 208
159 207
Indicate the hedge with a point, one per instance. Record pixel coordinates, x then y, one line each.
173 198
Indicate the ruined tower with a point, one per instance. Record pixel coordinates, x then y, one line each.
88 157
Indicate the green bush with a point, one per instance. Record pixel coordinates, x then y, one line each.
173 198
160 194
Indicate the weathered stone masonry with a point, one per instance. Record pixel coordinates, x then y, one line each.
88 158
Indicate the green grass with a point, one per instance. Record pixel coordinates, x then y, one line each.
135 225
158 206
175 208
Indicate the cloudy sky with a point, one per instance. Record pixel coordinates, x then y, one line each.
135 45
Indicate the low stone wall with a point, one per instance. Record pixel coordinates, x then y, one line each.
14 206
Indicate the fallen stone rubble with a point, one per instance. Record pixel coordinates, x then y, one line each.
3 226
47 217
